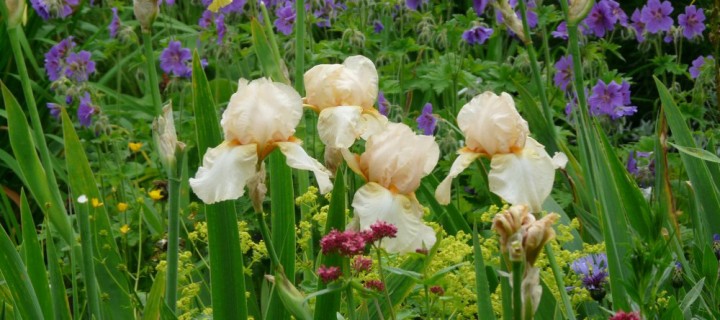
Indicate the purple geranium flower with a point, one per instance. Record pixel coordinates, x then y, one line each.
55 58
563 72
477 35
85 110
414 4
327 12
383 104
427 121
605 97
618 14
114 23
378 26
220 26
205 19
593 269
79 66
285 18
692 22
561 31
697 64
54 109
54 9
638 26
601 19
656 16
479 6
174 59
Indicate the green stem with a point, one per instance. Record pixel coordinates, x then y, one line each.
517 277
299 46
537 77
265 233
558 274
382 278
427 301
481 283
88 267
349 291
173 238
153 84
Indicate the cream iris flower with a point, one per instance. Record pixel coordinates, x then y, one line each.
521 171
344 95
393 163
261 116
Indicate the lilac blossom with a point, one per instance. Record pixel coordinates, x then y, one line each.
479 6
697 65
378 26
54 109
79 66
383 104
477 35
563 72
85 110
220 26
427 121
656 16
114 23
692 22
285 18
174 59
55 58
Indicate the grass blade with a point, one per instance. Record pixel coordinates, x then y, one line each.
226 261
155 297
18 280
61 308
33 257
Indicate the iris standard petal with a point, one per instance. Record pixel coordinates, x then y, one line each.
339 127
224 172
523 178
464 160
372 202
297 158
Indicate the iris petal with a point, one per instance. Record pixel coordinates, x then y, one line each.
225 172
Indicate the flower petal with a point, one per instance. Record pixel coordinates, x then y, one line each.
224 172
524 178
353 83
464 159
373 202
492 124
297 158
353 162
339 127
374 122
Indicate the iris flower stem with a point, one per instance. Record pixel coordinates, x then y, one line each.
382 278
173 236
153 84
265 233
517 277
532 54
557 273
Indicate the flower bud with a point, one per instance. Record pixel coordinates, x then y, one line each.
537 235
166 137
509 222
511 19
145 13
16 12
531 291
292 298
578 10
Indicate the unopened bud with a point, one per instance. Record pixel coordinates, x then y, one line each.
166 137
16 12
291 297
578 10
145 13
515 248
511 19
538 234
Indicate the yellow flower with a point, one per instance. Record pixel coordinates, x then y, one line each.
124 229
135 146
122 206
156 195
96 203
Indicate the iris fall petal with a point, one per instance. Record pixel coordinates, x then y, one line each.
297 158
225 172
464 160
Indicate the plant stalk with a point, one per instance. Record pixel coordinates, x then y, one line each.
153 84
88 267
517 277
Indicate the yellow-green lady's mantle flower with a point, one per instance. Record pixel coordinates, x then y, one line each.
261 116
344 95
393 163
521 171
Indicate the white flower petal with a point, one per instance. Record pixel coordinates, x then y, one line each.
364 70
339 127
261 112
524 178
492 125
464 159
374 122
225 172
372 202
353 162
560 160
353 83
297 158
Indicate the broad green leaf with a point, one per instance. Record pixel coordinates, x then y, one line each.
327 305
155 297
61 307
106 257
34 257
282 220
482 286
263 50
227 280
691 296
18 280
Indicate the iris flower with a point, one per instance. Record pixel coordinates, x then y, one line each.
261 116
393 163
521 171
344 95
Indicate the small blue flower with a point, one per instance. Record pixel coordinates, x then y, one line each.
593 269
427 121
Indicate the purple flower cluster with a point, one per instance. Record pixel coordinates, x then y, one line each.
347 243
378 26
563 72
477 35
47 9
611 99
220 26
656 16
61 61
327 12
603 17
55 58
328 274
285 18
175 60
79 66
593 269
697 65
427 121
